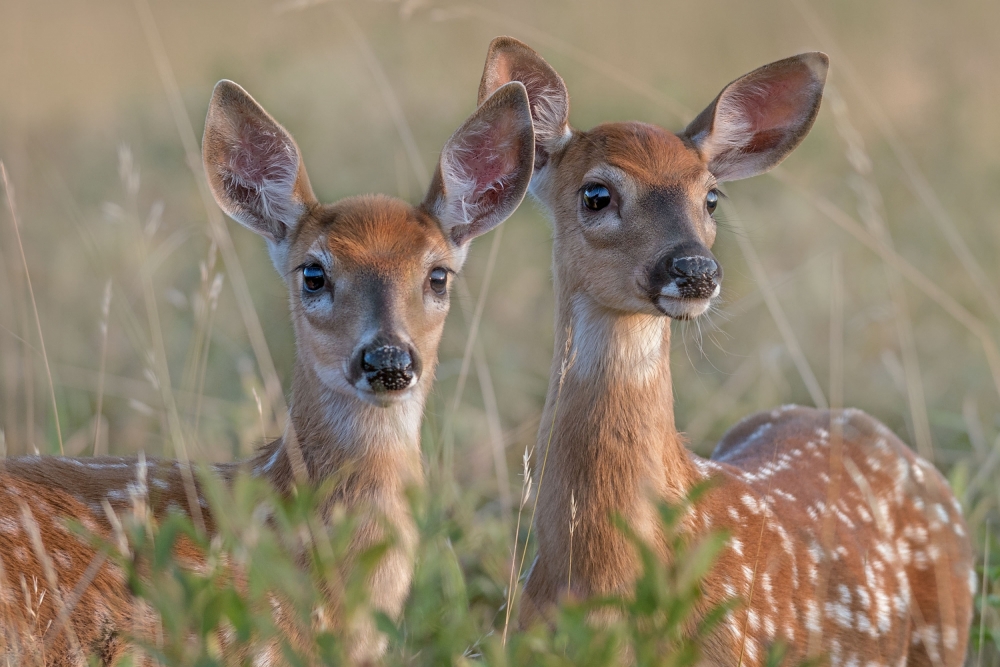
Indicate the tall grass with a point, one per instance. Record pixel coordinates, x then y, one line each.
897 180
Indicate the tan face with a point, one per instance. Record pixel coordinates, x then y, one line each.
633 214
368 282
632 203
368 277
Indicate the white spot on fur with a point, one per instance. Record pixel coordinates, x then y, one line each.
812 616
63 559
736 545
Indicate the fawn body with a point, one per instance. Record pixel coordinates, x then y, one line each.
842 541
368 284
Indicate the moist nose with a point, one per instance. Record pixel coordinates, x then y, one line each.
387 367
694 267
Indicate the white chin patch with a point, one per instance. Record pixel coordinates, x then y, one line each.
679 307
670 289
682 309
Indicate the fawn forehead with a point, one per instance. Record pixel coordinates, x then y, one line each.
379 234
652 156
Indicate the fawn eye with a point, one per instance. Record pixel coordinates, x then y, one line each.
439 281
596 197
313 279
712 200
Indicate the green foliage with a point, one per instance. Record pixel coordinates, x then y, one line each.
985 631
266 552
270 550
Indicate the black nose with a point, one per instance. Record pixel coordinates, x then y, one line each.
696 276
387 367
695 267
688 271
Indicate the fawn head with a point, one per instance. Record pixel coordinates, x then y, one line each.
632 204
368 277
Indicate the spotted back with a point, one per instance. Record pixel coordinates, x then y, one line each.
842 541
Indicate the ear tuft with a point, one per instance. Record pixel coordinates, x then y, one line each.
511 60
758 119
253 165
485 167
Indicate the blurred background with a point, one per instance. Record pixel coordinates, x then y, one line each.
862 272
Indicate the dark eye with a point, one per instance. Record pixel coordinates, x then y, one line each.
313 279
596 197
439 281
712 200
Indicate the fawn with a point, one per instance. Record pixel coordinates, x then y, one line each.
368 281
841 540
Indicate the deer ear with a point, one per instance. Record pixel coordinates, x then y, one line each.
485 167
761 117
253 166
510 60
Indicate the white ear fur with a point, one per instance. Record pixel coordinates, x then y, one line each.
253 165
485 167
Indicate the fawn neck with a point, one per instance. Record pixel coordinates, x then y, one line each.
614 446
338 433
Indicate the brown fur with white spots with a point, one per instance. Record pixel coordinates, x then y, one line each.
367 281
882 576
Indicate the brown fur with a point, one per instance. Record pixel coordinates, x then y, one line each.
842 541
377 254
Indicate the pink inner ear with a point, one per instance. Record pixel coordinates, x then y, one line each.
484 163
260 155
774 103
259 175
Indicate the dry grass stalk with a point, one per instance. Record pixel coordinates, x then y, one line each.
77 593
217 226
735 386
448 437
495 429
572 529
260 413
389 97
491 406
202 368
916 277
983 594
525 495
48 569
160 371
568 359
777 312
105 313
919 184
9 191
588 59
872 213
